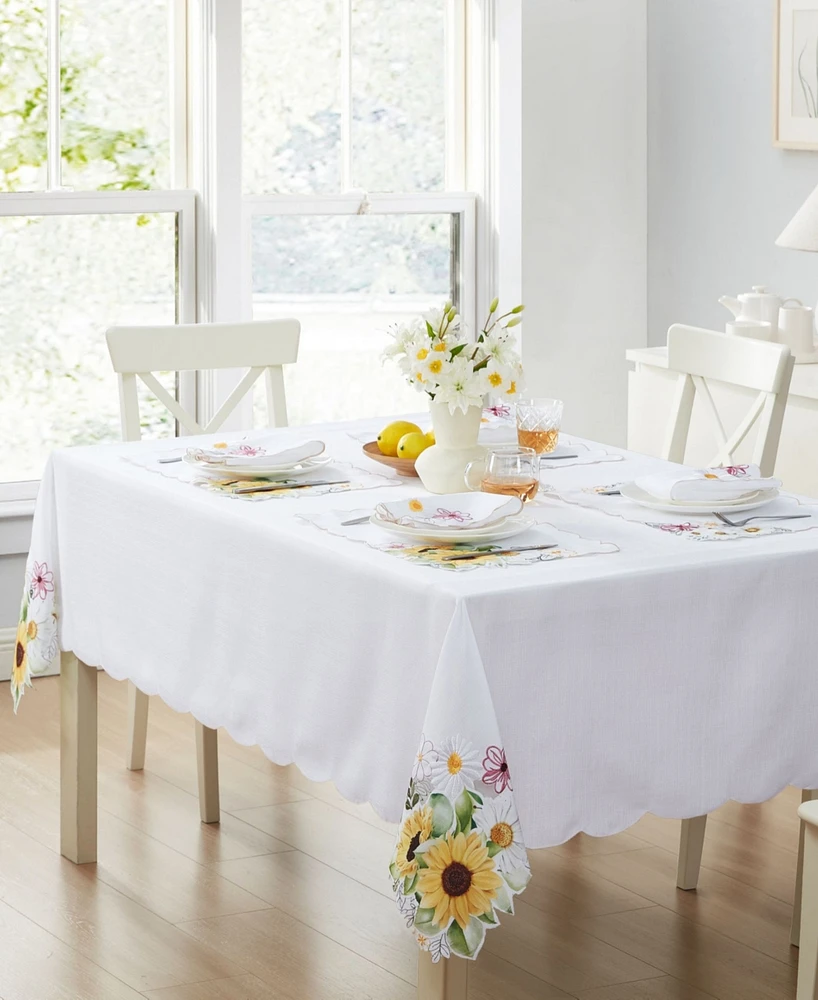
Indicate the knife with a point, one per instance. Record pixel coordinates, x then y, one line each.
273 487
457 557
556 458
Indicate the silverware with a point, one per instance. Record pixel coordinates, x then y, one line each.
356 520
556 458
273 487
609 493
758 517
459 556
168 461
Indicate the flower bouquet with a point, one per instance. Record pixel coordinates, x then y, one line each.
436 356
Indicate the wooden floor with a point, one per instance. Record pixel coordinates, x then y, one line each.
175 910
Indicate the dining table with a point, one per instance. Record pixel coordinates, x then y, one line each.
612 660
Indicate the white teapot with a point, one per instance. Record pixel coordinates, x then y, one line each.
758 306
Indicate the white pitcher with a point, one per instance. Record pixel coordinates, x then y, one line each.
796 329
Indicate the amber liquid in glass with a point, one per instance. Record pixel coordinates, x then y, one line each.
543 442
524 489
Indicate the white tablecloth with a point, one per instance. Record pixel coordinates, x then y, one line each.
654 675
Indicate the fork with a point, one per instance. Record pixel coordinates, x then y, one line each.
759 517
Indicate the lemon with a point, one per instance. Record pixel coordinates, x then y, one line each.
430 438
390 436
412 444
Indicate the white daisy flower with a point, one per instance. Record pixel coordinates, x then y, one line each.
423 760
457 767
498 819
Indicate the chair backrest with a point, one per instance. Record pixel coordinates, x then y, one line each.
139 351
700 356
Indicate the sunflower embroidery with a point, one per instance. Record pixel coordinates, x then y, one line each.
416 830
460 881
20 667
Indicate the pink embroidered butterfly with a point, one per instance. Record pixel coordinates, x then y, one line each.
499 410
452 515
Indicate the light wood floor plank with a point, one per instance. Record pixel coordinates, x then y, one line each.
741 912
297 961
236 988
331 836
35 965
694 954
120 936
665 988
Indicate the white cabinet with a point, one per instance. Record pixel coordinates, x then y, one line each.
650 390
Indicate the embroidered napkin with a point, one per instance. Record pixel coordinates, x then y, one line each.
465 511
729 483
258 451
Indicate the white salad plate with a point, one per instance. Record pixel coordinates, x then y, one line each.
494 533
287 471
752 501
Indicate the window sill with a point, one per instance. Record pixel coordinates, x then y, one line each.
16 508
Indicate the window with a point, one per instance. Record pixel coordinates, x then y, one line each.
327 142
90 234
352 166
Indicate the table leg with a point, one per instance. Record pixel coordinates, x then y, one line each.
78 760
795 928
808 954
446 980
207 765
138 704
691 843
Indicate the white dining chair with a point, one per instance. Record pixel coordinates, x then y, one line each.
700 357
808 954
139 352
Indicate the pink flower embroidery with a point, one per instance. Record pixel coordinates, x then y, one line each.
248 449
496 769
736 470
678 529
452 515
499 410
42 581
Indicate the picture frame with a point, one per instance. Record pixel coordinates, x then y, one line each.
796 74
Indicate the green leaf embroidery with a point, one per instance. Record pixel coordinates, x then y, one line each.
442 814
493 848
409 884
464 807
467 943
518 879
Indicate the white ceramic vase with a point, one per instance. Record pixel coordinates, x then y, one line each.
442 467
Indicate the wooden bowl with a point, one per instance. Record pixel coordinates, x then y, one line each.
403 466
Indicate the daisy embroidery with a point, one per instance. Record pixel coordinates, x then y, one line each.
457 767
496 769
499 821
423 760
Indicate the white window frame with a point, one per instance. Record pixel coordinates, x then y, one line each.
79 203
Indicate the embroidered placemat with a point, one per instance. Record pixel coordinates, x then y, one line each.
541 543
705 527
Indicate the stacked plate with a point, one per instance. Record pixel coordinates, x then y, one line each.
453 518
256 461
703 491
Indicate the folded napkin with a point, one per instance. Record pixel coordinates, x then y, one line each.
465 511
704 485
249 453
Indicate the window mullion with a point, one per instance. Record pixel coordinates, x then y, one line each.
53 143
346 96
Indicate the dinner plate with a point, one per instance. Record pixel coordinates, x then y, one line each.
637 495
511 526
288 471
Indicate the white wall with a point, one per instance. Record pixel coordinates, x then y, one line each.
584 204
719 191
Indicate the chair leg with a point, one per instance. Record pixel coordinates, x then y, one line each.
138 703
207 765
691 843
446 980
795 928
78 760
808 955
